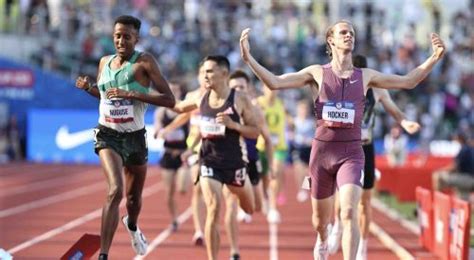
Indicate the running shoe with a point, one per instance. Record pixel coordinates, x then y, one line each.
139 242
273 216
320 251
302 196
334 239
198 238
235 257
243 217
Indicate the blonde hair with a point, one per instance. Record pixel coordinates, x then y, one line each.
330 33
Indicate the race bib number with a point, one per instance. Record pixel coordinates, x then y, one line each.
338 114
118 110
206 171
210 129
239 177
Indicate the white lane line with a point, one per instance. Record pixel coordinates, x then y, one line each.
390 243
76 222
165 234
52 199
273 240
44 184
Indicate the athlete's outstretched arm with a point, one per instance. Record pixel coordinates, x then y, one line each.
289 80
410 126
411 80
189 103
177 122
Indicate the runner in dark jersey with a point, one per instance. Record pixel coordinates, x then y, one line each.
240 81
123 87
226 118
373 96
174 176
337 157
191 157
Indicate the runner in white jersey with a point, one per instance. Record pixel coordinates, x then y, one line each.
124 83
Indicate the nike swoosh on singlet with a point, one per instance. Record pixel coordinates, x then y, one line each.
352 82
66 140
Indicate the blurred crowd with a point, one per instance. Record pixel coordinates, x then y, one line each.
286 36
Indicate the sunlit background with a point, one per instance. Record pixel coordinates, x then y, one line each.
46 44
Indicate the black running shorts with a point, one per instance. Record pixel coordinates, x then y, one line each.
369 169
171 160
132 147
225 176
254 169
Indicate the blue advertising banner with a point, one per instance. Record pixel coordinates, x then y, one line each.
66 136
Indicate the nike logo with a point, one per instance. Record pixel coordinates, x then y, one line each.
353 81
66 140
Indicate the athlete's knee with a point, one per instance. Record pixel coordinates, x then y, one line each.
319 224
348 214
213 208
115 193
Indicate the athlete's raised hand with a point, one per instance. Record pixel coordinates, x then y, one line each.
438 46
410 126
83 82
244 44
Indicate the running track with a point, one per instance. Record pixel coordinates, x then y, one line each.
44 209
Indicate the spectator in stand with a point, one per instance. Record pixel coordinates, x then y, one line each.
459 174
395 144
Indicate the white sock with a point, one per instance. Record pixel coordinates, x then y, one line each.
362 246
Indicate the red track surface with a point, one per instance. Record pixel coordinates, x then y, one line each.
66 201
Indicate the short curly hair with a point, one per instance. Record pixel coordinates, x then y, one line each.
129 20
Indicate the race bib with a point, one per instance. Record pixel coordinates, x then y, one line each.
195 119
206 171
118 110
175 136
338 114
239 177
210 129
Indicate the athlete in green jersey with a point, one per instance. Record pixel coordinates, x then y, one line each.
123 86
